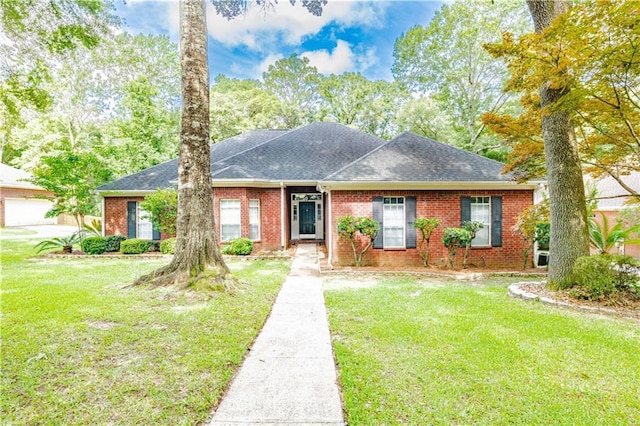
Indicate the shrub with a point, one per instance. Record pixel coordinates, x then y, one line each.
94 245
453 239
133 246
368 228
241 246
162 207
168 246
600 276
226 249
63 243
426 227
113 242
153 246
473 227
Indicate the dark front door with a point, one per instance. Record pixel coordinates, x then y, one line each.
307 218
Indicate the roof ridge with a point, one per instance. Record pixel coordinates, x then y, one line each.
358 159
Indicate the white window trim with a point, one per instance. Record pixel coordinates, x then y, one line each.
404 225
486 225
239 222
139 220
257 202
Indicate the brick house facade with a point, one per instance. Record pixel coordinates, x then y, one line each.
282 187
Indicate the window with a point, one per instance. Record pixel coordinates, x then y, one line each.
393 220
229 220
144 227
254 220
481 212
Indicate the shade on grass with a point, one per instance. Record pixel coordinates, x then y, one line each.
450 353
80 348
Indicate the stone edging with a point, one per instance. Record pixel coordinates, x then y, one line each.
516 292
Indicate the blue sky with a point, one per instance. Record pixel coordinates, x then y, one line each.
351 35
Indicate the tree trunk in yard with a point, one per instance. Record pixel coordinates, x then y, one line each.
568 215
197 261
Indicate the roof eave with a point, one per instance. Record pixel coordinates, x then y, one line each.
123 192
431 185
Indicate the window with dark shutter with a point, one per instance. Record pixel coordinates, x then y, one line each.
496 221
132 208
410 229
377 216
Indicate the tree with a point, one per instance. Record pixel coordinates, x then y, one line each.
453 239
472 227
241 105
446 62
423 117
162 205
295 83
528 225
603 77
197 261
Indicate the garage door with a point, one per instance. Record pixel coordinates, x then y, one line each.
21 212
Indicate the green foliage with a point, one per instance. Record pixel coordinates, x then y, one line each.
94 245
533 225
153 246
355 230
63 243
426 226
162 205
113 242
168 246
604 238
453 239
238 247
92 229
601 276
133 246
473 227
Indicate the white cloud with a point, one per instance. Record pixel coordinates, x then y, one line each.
341 59
288 24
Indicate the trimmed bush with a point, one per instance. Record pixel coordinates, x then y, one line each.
238 247
168 246
133 246
600 276
113 242
153 246
94 245
242 246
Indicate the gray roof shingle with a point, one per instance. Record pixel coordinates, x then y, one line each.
413 158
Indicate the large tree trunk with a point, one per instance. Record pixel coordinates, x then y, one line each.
568 214
197 260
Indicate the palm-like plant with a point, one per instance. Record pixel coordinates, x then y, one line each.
604 238
63 243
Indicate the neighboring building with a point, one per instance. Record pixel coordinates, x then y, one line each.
279 187
612 199
19 202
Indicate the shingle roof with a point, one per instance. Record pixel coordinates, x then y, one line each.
327 152
161 175
16 178
413 158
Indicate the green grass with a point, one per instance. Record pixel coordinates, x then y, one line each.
80 347
429 352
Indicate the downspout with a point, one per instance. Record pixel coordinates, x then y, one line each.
330 231
283 230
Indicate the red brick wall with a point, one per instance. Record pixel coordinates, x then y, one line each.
115 214
269 213
443 205
18 193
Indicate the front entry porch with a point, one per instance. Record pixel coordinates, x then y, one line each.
307 216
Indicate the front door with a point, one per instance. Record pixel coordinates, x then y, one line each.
307 218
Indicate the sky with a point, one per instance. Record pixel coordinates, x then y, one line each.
350 36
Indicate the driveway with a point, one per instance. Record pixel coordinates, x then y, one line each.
42 231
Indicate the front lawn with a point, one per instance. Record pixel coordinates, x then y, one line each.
78 347
443 352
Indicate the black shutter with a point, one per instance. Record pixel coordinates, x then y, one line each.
410 215
377 216
496 221
131 219
156 233
465 209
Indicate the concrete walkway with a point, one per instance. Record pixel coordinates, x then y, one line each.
289 376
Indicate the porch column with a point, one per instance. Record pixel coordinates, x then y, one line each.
283 218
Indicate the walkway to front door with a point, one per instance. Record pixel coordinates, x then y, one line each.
289 376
